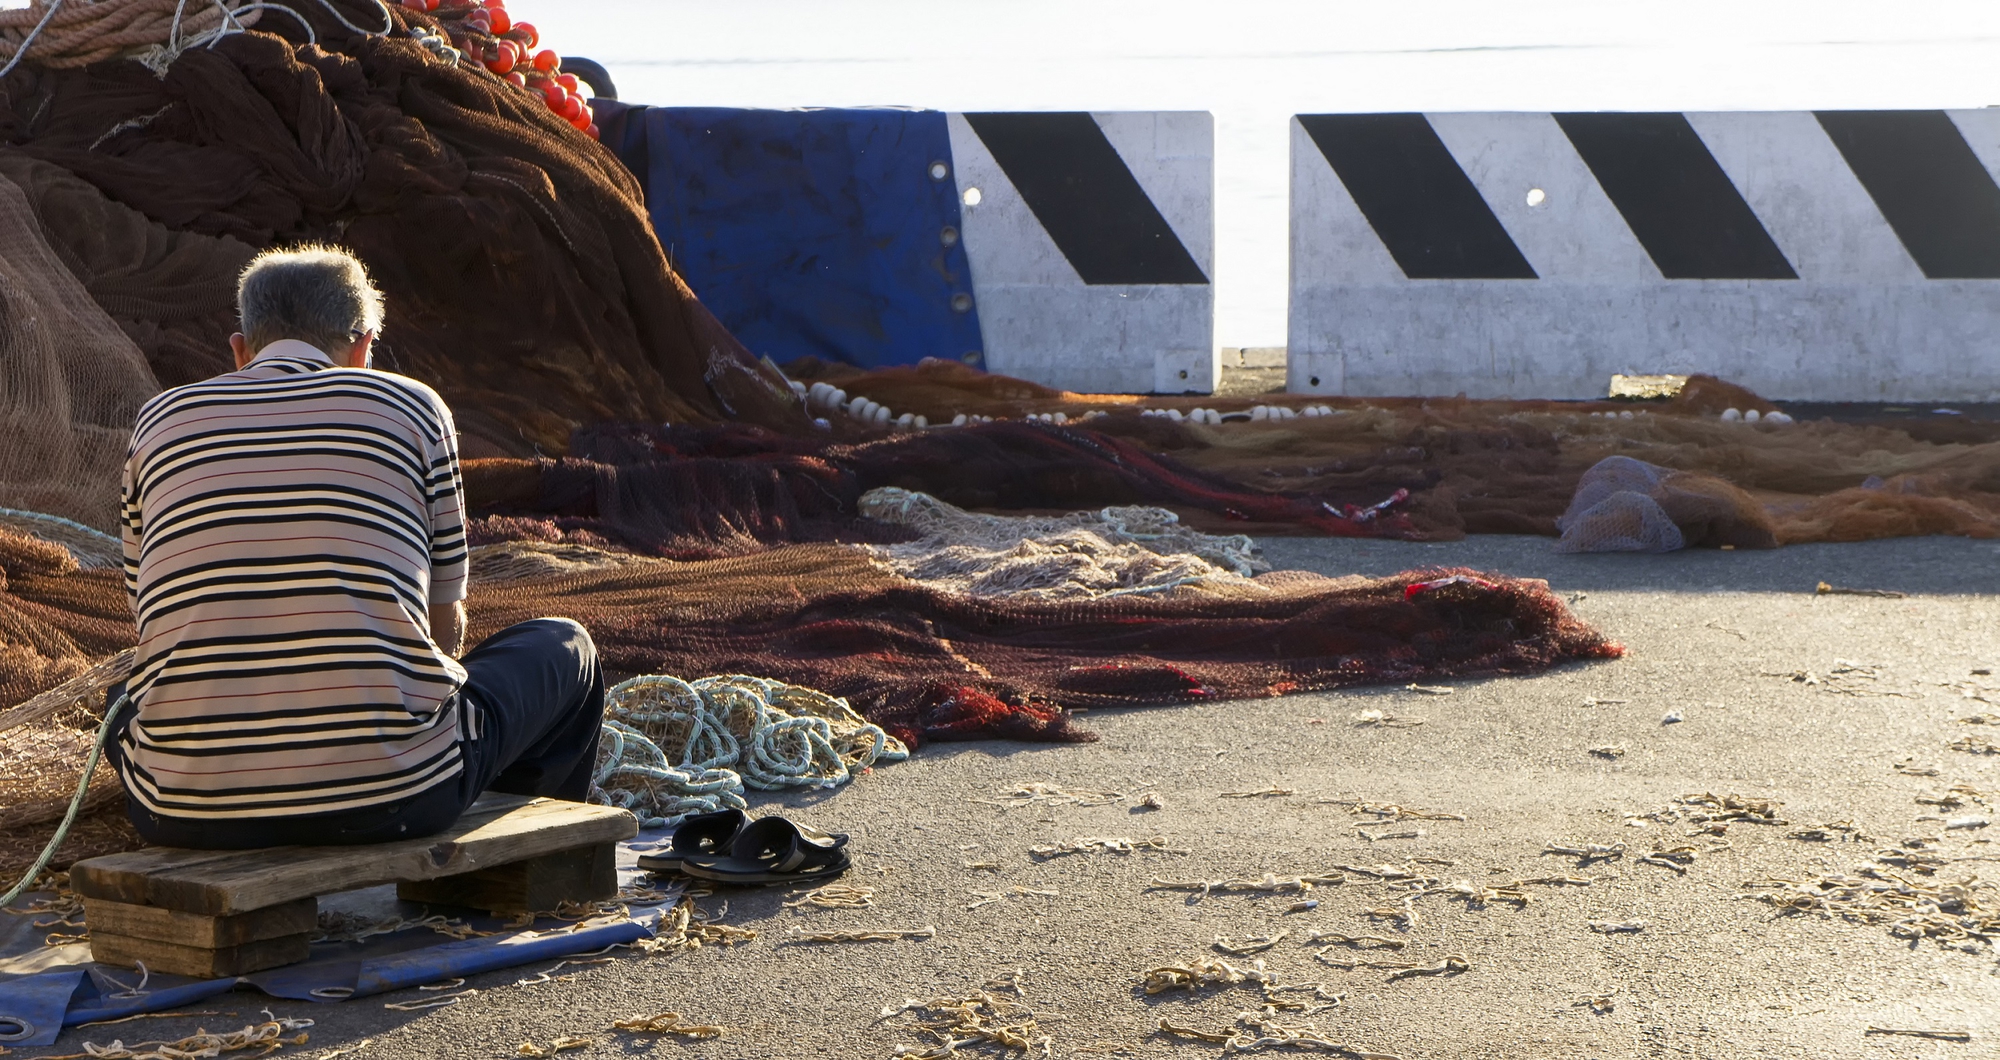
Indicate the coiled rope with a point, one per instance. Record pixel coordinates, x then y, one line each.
672 747
63 34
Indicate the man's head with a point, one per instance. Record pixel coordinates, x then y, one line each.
316 294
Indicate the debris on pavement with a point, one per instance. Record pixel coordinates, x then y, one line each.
1039 793
1823 589
870 935
1253 1034
1390 811
836 896
1731 808
1911 1032
1270 883
1617 927
1105 844
983 898
554 1047
1587 853
1359 942
668 1023
1248 944
1382 720
1609 750
1452 965
954 1023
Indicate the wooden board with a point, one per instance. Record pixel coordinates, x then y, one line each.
193 929
587 874
198 961
496 830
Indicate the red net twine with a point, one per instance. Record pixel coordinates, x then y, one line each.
932 666
523 279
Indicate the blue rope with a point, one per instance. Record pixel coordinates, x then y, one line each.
75 806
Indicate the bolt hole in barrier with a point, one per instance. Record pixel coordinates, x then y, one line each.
972 196
940 170
1537 196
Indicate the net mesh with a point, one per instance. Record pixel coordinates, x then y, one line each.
930 665
1627 505
524 280
1503 466
70 381
1112 552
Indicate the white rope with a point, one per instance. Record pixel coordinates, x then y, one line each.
670 747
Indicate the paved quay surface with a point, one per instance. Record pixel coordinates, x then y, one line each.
1713 636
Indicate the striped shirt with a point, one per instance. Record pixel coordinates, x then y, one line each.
287 528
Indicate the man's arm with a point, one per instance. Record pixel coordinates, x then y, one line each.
448 627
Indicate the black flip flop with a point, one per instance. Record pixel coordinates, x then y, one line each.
704 835
775 850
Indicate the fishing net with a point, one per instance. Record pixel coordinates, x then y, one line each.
929 665
70 381
1504 466
524 281
1627 505
1111 552
63 631
690 493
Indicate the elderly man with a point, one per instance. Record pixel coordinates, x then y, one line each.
295 553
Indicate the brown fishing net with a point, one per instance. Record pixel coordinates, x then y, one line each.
173 293
56 621
1514 466
924 664
523 279
928 665
70 381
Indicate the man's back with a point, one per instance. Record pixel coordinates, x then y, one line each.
287 528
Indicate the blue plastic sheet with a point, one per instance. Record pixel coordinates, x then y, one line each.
832 233
45 1002
337 977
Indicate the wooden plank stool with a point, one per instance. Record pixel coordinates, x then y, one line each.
214 913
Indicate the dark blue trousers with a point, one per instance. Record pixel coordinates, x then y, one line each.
531 708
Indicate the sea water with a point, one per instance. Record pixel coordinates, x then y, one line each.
1254 63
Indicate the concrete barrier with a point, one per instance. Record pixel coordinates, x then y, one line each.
1834 256
1091 240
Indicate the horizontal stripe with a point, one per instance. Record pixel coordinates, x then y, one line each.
286 527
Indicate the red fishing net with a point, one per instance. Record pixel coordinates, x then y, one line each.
928 665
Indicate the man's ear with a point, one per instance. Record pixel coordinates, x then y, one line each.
357 355
240 346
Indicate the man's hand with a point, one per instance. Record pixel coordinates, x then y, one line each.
448 627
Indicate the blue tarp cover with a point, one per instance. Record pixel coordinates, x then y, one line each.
832 233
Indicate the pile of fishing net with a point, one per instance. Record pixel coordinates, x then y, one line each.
1499 466
1112 552
689 492
891 662
524 281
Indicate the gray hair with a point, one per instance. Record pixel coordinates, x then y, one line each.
316 294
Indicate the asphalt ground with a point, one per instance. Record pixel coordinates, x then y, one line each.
1723 639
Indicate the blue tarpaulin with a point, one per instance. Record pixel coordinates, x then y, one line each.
36 1006
832 233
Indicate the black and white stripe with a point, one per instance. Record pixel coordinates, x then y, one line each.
1090 238
1817 255
287 529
